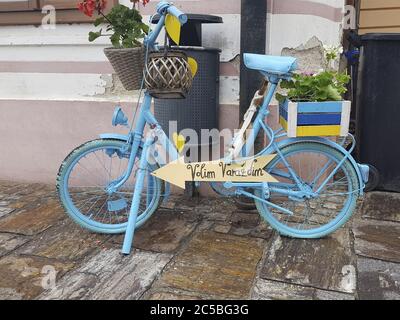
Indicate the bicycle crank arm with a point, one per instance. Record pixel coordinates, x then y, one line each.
250 195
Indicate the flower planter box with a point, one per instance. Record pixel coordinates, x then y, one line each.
305 119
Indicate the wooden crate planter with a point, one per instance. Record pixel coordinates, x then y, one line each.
305 119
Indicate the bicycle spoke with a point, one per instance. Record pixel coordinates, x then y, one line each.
95 154
80 164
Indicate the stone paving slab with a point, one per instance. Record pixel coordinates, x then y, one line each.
110 275
199 248
274 290
164 232
5 209
378 280
332 295
219 265
9 242
21 276
29 190
377 239
31 197
171 296
219 209
33 221
66 241
382 206
322 263
244 224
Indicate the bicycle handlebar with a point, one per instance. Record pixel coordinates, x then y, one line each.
164 7
178 14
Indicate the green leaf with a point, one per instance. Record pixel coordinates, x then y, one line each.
126 26
325 86
98 21
281 98
333 94
115 40
285 84
94 35
145 28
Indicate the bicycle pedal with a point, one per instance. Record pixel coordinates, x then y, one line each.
117 205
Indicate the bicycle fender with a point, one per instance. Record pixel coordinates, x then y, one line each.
116 136
362 176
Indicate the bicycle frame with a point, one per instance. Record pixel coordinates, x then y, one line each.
147 118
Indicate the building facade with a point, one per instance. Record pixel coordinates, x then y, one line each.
57 90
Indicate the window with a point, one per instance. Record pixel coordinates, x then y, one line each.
18 12
19 5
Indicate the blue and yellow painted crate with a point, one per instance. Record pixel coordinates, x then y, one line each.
305 119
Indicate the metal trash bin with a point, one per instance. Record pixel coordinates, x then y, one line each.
200 108
378 107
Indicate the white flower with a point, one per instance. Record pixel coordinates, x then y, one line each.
319 72
332 53
333 50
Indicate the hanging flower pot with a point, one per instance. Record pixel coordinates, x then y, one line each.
128 64
125 28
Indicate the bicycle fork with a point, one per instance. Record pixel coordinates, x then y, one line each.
139 184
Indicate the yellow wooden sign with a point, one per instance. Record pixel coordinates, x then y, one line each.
173 27
251 170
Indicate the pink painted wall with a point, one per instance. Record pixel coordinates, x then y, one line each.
35 136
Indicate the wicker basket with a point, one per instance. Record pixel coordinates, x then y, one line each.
168 75
128 64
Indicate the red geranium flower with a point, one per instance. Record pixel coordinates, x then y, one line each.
144 2
88 6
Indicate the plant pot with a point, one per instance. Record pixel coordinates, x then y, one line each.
305 119
128 64
168 75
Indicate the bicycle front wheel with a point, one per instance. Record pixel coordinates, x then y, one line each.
84 176
321 215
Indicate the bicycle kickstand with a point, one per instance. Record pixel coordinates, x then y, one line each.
130 229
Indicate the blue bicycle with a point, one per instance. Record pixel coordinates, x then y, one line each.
106 185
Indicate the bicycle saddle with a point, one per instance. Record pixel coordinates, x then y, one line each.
275 65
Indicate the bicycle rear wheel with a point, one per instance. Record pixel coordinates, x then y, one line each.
316 217
84 176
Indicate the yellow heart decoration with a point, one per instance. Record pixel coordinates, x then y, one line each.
179 141
173 27
193 65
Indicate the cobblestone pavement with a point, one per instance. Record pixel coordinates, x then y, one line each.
194 249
